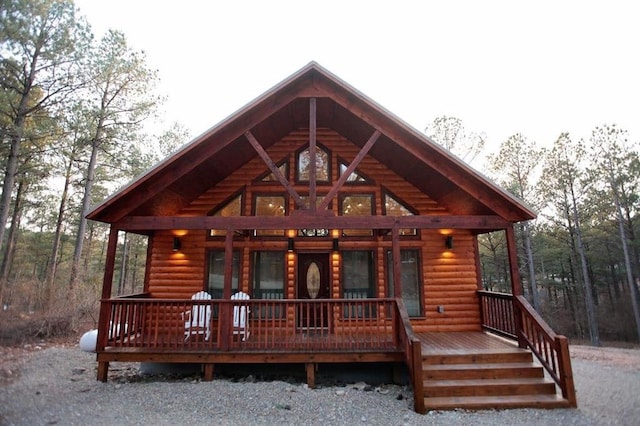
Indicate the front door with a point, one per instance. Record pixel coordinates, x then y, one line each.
313 284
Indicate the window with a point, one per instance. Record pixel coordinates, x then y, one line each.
393 207
410 279
216 273
230 208
268 275
355 176
270 177
358 282
269 281
270 205
357 205
322 166
215 285
357 274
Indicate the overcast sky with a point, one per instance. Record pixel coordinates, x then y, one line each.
539 68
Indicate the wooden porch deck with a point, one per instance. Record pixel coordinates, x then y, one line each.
449 343
447 369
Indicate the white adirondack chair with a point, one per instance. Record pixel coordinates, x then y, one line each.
241 316
198 319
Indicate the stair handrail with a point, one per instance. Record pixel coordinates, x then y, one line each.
412 350
551 349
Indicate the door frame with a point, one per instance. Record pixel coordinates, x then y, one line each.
325 287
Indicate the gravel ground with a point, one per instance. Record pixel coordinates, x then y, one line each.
57 386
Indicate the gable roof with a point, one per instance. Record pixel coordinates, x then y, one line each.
176 181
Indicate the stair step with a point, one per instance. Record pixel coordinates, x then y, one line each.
482 371
506 356
502 401
488 387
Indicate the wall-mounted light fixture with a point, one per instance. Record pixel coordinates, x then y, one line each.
335 233
177 244
290 244
448 242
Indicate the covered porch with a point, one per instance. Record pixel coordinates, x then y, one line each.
446 369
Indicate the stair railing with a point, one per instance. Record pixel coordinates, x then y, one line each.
521 322
412 350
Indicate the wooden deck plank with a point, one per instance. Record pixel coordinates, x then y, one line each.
444 343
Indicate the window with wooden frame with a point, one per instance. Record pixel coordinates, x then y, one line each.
393 206
273 205
357 205
322 165
358 282
268 269
269 177
409 278
231 207
356 177
313 232
215 280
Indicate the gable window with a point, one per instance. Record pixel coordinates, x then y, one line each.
230 208
409 278
394 207
356 205
355 176
274 205
322 165
270 177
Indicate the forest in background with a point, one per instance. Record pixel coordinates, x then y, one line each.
75 114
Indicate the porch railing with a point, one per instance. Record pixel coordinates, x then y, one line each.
271 325
516 318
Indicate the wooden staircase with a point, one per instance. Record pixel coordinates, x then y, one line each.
487 379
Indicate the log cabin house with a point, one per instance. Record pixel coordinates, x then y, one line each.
354 237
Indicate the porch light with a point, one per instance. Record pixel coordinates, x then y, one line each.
448 242
177 244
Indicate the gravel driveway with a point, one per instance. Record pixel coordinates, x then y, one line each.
57 386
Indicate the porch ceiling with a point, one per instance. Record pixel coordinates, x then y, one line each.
177 181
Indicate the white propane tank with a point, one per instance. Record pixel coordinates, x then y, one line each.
88 341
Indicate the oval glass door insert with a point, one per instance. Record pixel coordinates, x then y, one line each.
313 280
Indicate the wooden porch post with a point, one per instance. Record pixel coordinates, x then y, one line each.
312 155
397 264
225 310
107 283
516 284
514 272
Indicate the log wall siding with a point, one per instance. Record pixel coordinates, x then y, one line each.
450 276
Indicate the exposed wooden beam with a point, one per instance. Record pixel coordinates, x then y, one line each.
274 169
140 223
356 161
312 154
